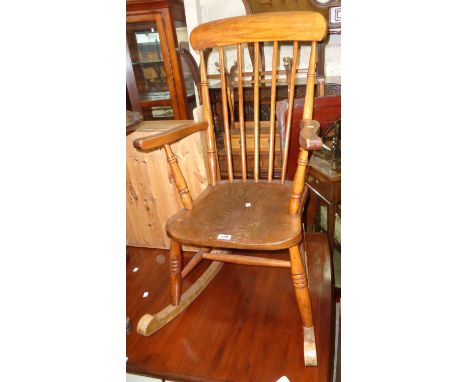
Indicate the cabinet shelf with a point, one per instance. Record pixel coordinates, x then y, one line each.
155 96
161 62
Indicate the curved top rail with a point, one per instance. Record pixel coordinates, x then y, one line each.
273 26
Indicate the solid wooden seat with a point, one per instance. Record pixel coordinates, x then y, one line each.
253 214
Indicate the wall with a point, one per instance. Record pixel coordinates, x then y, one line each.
333 59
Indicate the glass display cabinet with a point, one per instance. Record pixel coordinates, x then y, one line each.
159 83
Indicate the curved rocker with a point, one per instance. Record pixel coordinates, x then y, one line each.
149 324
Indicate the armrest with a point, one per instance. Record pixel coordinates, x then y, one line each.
169 136
308 138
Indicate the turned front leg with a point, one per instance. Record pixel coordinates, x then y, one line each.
303 301
300 286
175 264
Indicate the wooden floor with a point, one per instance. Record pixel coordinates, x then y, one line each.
244 327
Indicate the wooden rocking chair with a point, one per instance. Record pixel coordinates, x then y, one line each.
240 213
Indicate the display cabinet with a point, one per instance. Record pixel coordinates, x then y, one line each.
159 84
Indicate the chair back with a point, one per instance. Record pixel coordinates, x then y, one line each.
300 28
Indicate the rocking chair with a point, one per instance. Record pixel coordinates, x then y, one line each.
256 214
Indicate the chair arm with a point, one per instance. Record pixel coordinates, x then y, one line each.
169 136
308 138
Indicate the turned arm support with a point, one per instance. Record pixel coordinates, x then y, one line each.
308 138
169 136
179 180
165 139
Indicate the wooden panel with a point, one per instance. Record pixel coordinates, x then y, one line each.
249 164
250 139
236 162
149 5
329 190
326 110
256 336
151 193
301 26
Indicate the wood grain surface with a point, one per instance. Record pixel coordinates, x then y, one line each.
307 26
326 111
152 195
181 130
244 327
222 210
302 161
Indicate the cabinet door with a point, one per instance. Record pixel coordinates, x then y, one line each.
148 51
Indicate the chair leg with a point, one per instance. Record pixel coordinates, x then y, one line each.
175 264
303 301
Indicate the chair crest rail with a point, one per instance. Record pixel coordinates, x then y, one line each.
307 26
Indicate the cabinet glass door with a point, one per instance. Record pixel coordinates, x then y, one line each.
144 46
183 42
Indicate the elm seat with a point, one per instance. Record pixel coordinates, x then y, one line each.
224 210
